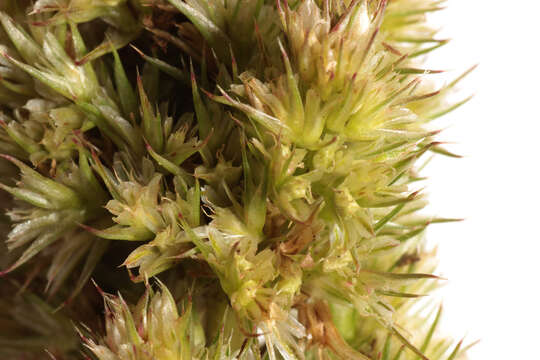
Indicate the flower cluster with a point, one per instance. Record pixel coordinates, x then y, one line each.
257 159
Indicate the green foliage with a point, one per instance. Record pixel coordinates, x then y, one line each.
260 166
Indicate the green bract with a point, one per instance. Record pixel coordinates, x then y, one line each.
252 163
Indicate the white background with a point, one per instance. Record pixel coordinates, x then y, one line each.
492 258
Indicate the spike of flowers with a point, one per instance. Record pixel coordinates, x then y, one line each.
258 159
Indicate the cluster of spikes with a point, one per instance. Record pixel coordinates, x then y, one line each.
237 177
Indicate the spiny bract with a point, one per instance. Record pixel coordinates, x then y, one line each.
252 163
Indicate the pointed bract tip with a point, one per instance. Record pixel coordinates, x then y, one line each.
89 228
8 158
209 94
100 291
5 272
138 51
